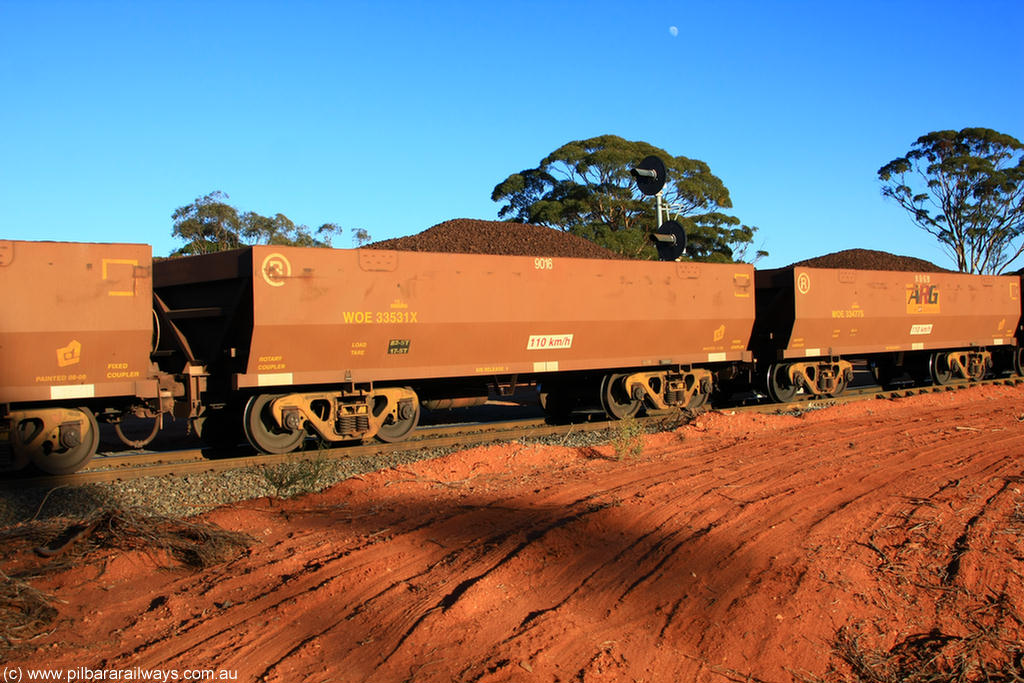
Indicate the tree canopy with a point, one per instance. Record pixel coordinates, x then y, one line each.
209 224
966 189
584 187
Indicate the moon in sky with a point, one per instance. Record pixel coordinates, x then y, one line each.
674 31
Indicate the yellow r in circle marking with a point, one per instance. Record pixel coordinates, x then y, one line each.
803 283
275 269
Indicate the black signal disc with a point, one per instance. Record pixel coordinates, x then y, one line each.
669 240
647 183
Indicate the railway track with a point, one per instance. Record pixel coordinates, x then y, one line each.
123 467
126 466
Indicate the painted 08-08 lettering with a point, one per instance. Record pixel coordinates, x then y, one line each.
378 317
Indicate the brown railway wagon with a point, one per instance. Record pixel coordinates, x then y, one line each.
358 328
76 326
810 319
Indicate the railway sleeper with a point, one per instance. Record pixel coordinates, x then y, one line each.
389 413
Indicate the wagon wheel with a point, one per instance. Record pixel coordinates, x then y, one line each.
220 429
697 401
398 427
840 386
558 403
68 453
261 430
939 370
882 374
615 400
146 438
779 387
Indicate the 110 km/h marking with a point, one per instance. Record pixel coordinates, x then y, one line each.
537 342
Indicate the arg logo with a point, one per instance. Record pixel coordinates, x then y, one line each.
922 298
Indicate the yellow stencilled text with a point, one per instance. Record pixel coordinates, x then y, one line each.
265 363
379 317
492 368
121 371
53 379
849 313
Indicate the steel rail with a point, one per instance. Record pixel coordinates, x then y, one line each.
194 461
125 467
136 459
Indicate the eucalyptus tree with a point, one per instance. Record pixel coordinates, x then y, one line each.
965 188
585 187
210 224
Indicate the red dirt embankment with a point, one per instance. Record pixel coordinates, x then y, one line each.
739 545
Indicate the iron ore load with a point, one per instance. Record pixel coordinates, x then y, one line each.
276 345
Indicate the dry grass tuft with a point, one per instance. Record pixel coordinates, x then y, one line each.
193 544
933 657
26 613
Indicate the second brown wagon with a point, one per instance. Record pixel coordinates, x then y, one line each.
937 326
347 344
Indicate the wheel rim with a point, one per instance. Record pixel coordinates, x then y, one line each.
261 431
615 400
1018 361
779 387
881 374
67 459
398 429
557 404
840 387
220 429
939 370
697 401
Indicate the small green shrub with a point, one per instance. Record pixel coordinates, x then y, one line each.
628 439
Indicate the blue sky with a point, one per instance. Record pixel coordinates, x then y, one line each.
394 116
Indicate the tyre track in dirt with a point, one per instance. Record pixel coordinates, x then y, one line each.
737 544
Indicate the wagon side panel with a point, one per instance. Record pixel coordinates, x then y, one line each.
323 316
75 321
850 312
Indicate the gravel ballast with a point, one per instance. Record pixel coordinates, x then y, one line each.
191 494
